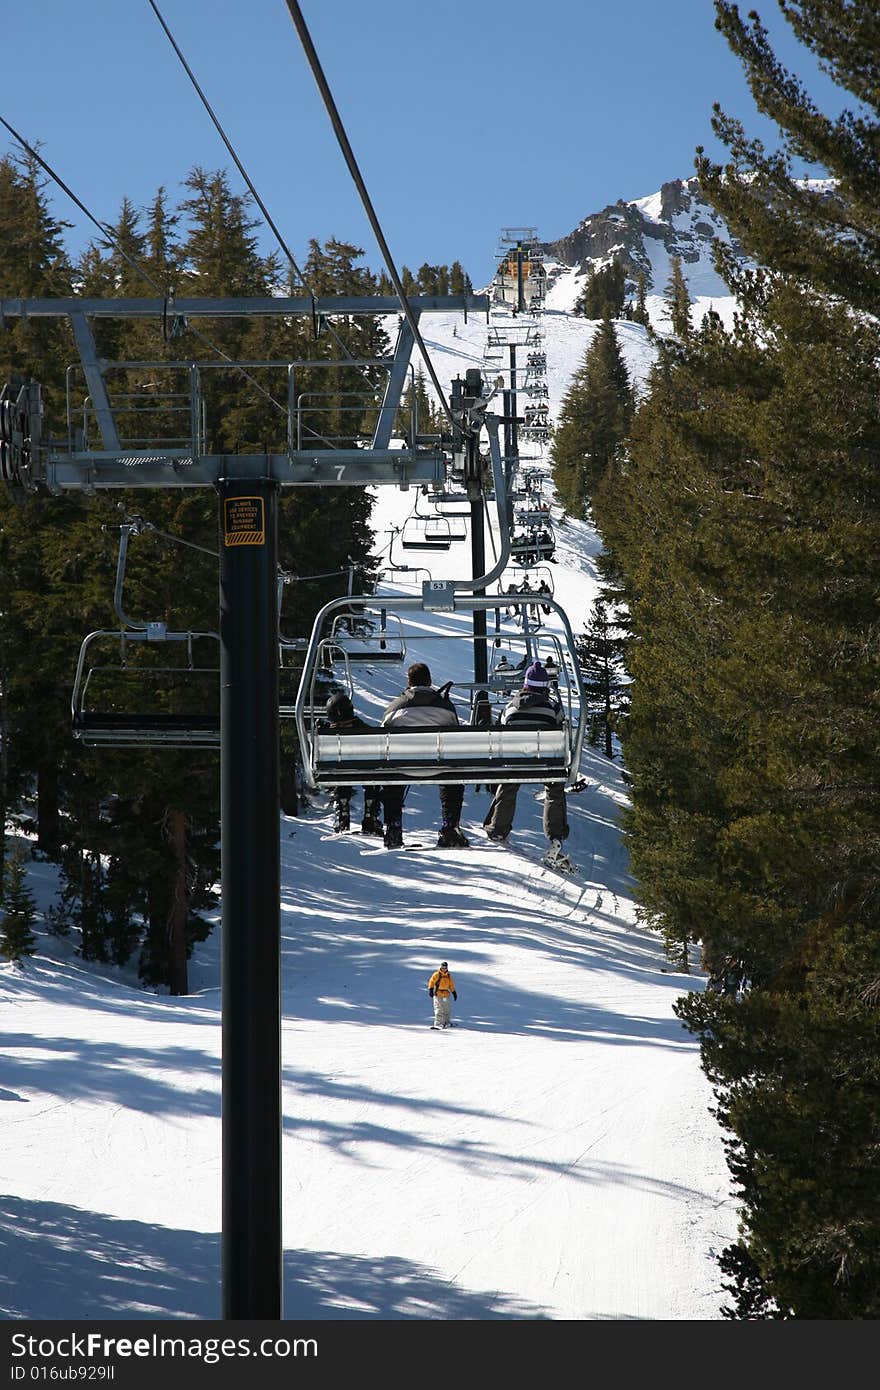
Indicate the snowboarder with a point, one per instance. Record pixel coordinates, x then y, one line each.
440 986
532 707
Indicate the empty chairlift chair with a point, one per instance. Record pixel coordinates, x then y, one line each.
149 687
426 533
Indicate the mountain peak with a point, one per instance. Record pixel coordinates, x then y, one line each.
645 234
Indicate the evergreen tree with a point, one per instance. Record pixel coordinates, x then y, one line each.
745 525
35 732
18 913
678 300
603 294
640 310
417 404
600 653
825 233
593 422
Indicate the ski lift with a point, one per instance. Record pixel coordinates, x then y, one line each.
331 675
533 515
505 676
532 546
456 522
130 692
471 752
540 579
141 685
360 639
450 504
426 533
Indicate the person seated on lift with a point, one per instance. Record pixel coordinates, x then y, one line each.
341 719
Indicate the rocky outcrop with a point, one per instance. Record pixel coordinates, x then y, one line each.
678 217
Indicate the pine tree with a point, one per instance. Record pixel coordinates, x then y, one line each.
18 913
746 526
600 653
678 300
825 233
593 422
640 310
417 405
603 294
459 282
33 262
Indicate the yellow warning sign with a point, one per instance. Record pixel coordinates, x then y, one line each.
244 521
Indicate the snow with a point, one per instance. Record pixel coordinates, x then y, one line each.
552 1157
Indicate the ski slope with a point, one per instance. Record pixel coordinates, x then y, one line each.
551 1158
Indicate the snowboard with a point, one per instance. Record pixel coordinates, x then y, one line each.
560 863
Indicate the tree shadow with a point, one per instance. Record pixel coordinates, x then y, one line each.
63 1263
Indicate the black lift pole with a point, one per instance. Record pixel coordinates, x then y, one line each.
478 562
512 453
251 884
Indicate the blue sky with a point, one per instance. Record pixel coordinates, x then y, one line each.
464 117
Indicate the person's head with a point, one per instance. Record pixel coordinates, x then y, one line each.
536 678
418 674
444 968
339 708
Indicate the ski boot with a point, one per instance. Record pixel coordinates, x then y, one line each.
556 858
393 837
450 837
372 821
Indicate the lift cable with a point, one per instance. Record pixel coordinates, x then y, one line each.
107 232
254 194
348 155
238 164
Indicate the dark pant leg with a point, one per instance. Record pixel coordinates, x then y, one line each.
555 812
499 817
392 800
451 801
373 802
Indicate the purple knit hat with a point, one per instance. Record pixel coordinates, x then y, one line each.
536 677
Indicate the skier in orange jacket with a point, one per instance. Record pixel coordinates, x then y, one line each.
440 986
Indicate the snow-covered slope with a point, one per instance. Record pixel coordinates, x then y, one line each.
552 1157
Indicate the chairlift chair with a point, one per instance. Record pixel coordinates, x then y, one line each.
511 580
421 533
476 752
450 504
330 675
142 685
362 640
452 523
128 692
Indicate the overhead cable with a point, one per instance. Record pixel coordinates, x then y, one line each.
348 154
253 192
